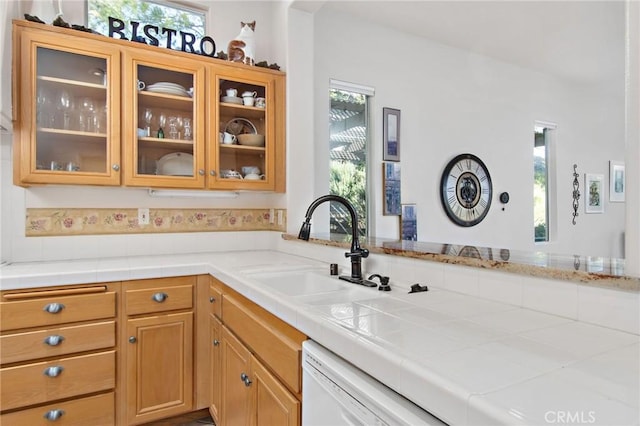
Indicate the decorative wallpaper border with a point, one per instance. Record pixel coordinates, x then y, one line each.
73 221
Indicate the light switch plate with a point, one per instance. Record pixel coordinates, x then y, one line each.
143 216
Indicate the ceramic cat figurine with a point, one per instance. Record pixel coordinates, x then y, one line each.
241 49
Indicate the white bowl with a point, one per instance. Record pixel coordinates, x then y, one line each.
251 139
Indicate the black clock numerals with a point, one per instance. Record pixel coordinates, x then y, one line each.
465 190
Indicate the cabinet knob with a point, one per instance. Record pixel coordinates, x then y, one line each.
54 371
53 415
160 297
116 167
53 308
212 172
132 339
216 342
212 299
53 340
201 172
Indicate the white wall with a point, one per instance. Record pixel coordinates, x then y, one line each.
224 24
453 101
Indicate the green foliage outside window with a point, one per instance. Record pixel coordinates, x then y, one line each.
349 181
145 12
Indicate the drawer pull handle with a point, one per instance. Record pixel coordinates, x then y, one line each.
53 415
212 299
160 297
53 371
54 308
216 342
53 340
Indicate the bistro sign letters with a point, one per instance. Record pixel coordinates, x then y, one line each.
187 42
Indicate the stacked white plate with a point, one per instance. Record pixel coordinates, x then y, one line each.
232 100
168 88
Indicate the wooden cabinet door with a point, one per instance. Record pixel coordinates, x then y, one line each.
68 108
238 160
164 120
215 365
159 363
236 391
273 403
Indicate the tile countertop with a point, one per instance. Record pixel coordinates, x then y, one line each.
467 360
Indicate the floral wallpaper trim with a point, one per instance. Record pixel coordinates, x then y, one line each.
73 221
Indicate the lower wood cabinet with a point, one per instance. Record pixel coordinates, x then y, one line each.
157 349
251 395
58 355
255 363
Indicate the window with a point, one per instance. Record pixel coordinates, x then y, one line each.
162 14
542 181
348 116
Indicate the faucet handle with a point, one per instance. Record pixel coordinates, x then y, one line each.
384 282
360 252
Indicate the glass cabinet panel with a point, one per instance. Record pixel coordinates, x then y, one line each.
244 134
165 122
164 119
71 112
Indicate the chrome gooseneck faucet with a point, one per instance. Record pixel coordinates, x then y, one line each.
357 253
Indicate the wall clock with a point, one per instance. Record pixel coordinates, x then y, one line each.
465 190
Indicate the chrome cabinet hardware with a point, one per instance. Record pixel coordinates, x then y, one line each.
160 297
54 371
212 299
53 415
212 172
54 340
132 339
116 167
53 308
201 172
216 342
245 379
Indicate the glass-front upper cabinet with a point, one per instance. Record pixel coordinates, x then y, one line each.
164 120
243 147
69 96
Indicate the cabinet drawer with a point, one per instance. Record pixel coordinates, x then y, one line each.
45 310
56 341
158 298
96 410
28 384
272 340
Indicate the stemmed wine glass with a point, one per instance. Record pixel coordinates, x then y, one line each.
65 106
147 117
42 113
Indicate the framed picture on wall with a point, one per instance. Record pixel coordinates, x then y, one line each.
391 185
593 186
616 181
391 134
409 222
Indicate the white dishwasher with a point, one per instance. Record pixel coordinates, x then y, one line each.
337 393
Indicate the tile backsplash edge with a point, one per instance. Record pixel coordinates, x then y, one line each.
45 222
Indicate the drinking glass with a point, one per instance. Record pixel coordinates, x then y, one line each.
188 132
173 127
65 106
147 117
